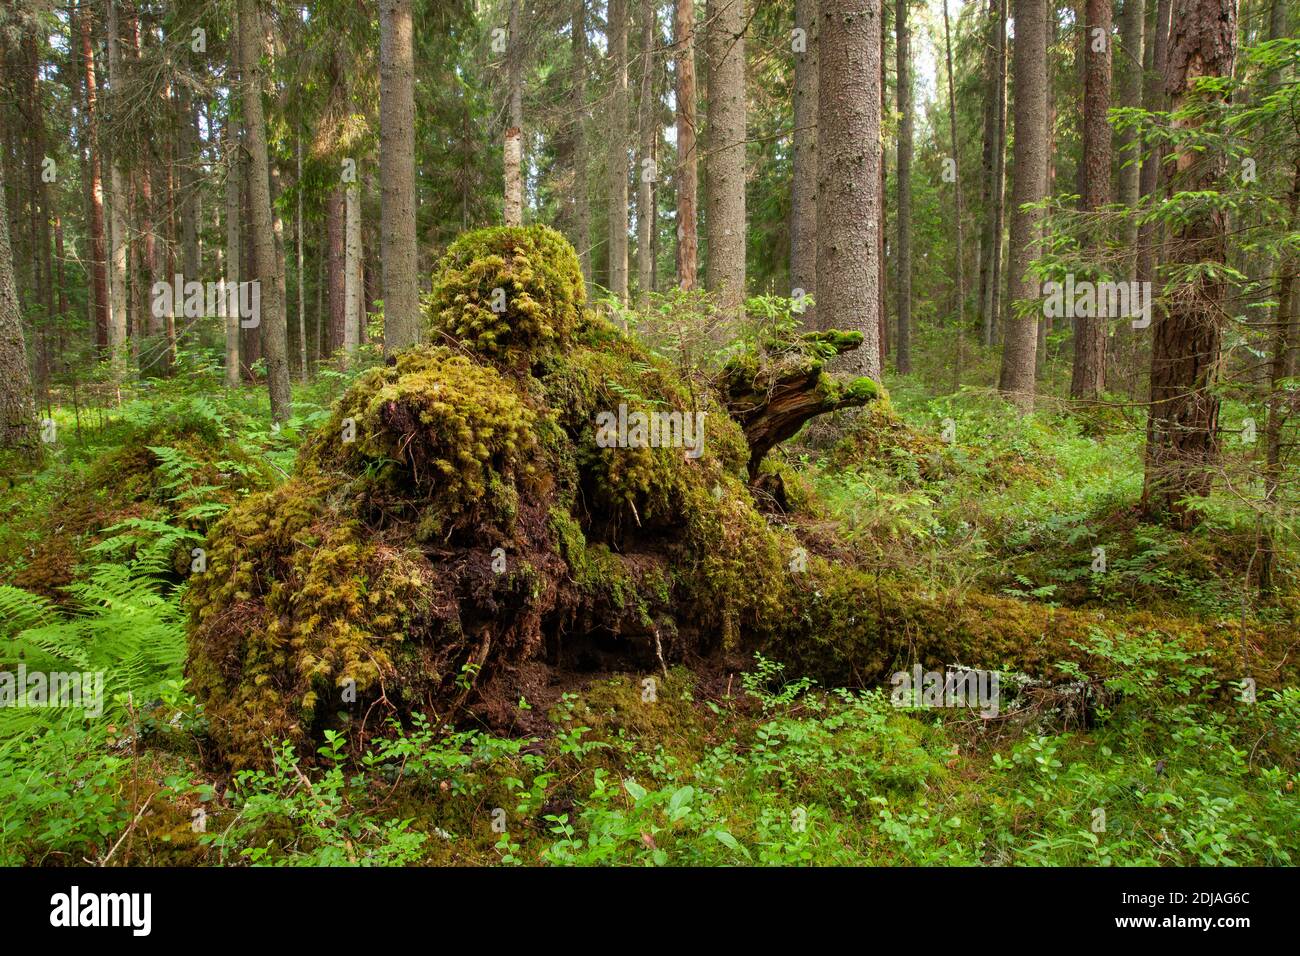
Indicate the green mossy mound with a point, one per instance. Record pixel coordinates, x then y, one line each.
508 292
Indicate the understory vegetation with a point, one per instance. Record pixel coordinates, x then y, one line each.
926 519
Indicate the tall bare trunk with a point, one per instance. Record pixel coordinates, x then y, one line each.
725 219
616 164
848 147
581 157
352 289
302 317
993 186
234 207
117 316
98 262
514 142
1089 373
397 241
803 185
688 181
903 255
1128 93
1029 159
274 339
959 251
647 173
1153 99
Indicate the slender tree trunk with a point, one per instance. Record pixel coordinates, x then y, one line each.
581 157
1089 374
1154 99
803 186
514 142
1182 430
1279 368
647 174
903 256
687 172
352 290
616 165
959 252
274 339
118 320
1128 93
302 311
234 207
848 147
397 177
1029 158
17 407
98 261
992 185
335 229
725 219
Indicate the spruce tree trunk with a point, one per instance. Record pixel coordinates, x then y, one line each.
1128 93
848 190
98 253
397 176
581 158
234 206
1029 167
335 227
647 174
688 181
725 220
992 189
616 159
117 316
1089 373
274 338
17 407
1153 99
803 186
1182 429
903 52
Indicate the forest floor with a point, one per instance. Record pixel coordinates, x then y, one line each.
740 762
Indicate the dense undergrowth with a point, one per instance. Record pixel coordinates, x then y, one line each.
1145 750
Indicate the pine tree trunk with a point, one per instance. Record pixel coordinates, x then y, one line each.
725 219
1029 164
274 339
397 177
903 294
1089 372
803 186
848 147
616 162
647 174
1182 430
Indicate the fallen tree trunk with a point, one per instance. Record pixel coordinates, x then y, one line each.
772 394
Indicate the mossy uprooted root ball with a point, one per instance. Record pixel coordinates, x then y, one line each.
457 524
508 292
